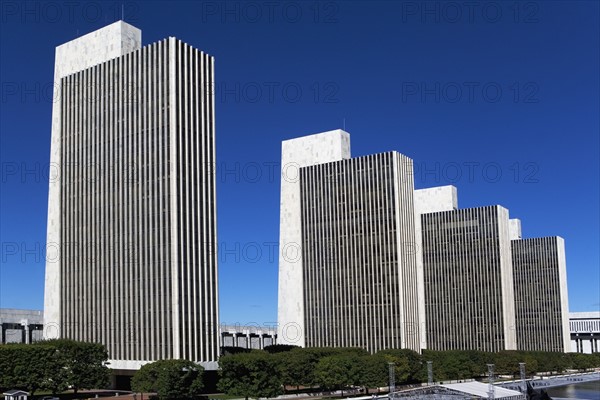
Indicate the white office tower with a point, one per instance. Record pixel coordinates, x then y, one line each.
541 298
132 208
467 272
347 267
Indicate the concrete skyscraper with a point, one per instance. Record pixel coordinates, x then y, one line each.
468 280
367 261
541 300
348 269
132 213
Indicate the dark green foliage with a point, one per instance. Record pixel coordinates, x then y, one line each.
337 371
25 367
53 365
169 379
579 361
253 374
84 363
373 371
296 367
407 365
280 348
507 362
339 368
550 361
226 350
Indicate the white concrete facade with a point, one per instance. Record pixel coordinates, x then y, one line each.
295 154
514 228
428 200
132 216
435 199
585 332
564 293
96 47
359 260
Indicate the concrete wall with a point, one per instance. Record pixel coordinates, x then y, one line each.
295 154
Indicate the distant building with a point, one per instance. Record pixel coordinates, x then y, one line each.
26 326
368 261
354 280
132 213
21 326
585 332
541 299
248 337
467 268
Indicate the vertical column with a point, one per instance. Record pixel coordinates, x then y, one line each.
24 331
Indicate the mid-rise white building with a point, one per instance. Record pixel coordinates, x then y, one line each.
585 331
368 261
352 280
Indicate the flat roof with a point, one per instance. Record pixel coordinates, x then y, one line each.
481 389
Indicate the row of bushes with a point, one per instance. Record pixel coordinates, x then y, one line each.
61 364
256 373
53 365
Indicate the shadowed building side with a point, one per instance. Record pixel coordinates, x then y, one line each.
359 258
541 300
469 295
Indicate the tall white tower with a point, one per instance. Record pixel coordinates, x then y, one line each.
348 269
132 207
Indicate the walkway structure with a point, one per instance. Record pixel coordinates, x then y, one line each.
585 332
20 326
248 337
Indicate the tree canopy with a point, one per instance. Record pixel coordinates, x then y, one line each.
54 365
253 374
170 379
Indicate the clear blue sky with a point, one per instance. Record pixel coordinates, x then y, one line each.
500 99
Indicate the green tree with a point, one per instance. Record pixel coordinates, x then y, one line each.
457 364
507 362
580 361
25 367
170 379
253 374
296 367
227 350
83 364
280 348
407 364
550 361
374 371
478 361
337 371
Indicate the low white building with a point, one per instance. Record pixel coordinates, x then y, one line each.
585 332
